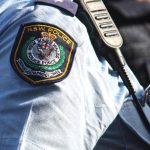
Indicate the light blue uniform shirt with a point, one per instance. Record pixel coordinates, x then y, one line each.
68 115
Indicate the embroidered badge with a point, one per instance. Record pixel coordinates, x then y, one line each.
42 53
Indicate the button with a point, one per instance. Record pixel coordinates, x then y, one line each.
111 33
106 25
101 16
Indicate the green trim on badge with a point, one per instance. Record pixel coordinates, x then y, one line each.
43 68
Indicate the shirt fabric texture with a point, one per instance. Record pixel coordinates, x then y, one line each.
68 115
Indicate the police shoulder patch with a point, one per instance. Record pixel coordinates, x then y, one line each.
42 53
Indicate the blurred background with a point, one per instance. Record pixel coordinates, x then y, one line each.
132 17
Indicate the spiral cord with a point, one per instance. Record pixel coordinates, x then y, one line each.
124 75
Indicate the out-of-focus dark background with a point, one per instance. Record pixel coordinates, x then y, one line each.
132 17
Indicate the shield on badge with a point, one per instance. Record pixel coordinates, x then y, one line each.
42 53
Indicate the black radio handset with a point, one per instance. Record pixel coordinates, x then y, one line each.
104 27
